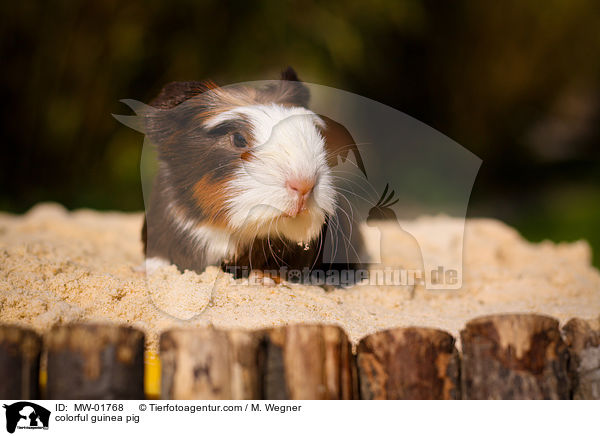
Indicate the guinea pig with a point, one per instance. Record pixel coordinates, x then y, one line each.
244 178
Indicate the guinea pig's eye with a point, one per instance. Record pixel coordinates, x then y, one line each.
238 140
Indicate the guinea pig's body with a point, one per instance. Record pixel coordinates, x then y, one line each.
244 178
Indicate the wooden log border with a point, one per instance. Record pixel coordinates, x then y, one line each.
503 356
514 357
96 362
19 363
409 364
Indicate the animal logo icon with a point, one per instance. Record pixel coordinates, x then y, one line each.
26 415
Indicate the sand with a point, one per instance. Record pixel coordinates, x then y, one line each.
58 267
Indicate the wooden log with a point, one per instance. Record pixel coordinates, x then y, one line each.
408 364
307 362
95 362
514 356
583 339
19 363
209 364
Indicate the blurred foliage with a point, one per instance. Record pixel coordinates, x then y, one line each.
516 82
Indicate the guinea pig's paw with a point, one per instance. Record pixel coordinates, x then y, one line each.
152 264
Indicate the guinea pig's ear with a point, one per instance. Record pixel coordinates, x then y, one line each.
170 117
339 142
289 74
291 90
175 93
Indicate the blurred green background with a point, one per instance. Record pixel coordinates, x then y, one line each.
516 82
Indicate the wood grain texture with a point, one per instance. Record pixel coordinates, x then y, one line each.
583 339
19 363
307 362
95 362
209 364
408 364
514 356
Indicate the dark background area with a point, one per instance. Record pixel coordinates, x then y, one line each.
515 82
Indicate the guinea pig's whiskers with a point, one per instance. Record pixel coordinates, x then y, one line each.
340 190
281 239
334 239
346 240
268 242
337 150
363 183
279 234
277 259
320 248
345 149
350 217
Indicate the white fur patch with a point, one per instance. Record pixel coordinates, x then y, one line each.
152 264
288 145
216 242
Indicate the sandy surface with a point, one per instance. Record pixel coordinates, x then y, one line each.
59 267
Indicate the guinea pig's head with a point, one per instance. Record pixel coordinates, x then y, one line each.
252 160
282 183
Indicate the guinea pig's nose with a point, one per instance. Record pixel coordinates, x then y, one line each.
300 186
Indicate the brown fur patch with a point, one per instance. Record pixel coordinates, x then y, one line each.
211 198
